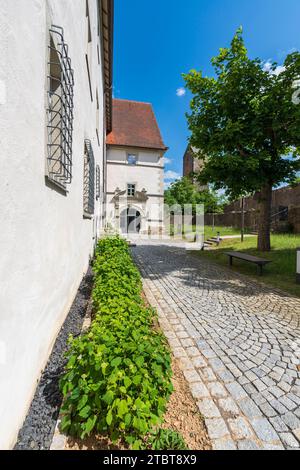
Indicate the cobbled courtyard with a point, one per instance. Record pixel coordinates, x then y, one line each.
237 342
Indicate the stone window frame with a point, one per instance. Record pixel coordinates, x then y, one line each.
88 180
132 154
131 189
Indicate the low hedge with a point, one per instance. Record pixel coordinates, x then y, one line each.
118 376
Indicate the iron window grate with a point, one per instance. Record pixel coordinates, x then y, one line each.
60 109
98 182
88 180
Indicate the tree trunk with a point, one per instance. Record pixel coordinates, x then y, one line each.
264 222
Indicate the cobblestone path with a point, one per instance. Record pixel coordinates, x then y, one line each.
238 344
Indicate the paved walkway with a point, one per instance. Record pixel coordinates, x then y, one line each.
238 345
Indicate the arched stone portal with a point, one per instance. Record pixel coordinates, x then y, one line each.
130 220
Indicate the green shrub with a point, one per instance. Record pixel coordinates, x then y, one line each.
166 439
118 376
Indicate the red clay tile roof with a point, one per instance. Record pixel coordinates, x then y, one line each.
134 125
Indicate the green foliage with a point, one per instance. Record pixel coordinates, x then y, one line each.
244 121
166 439
118 377
183 191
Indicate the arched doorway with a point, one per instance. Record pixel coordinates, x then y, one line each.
130 220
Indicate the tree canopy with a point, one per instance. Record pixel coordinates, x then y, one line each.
183 192
246 126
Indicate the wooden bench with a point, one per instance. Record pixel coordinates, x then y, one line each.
260 262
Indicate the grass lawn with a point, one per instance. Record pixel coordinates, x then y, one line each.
281 273
209 231
212 232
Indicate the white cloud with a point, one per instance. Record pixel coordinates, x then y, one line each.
180 91
279 69
167 161
172 175
268 67
167 184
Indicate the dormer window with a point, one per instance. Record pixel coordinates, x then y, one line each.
131 159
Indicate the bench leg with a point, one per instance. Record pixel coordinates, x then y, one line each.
260 269
230 261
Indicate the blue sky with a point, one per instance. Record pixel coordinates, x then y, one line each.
157 40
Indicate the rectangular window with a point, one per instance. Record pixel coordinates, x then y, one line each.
131 159
59 110
88 55
131 190
97 117
98 182
88 180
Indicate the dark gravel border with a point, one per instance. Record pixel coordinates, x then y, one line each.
39 426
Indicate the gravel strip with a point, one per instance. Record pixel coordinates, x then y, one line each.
39 425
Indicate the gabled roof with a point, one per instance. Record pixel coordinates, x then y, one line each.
134 125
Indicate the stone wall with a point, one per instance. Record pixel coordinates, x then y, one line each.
283 198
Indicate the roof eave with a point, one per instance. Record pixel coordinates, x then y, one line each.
162 149
107 15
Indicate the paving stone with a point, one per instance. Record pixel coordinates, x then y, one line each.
192 351
223 327
224 444
229 406
279 407
236 390
264 430
191 375
199 390
186 363
267 410
296 433
259 385
249 408
225 376
216 428
208 409
239 428
207 374
289 404
273 447
209 353
278 424
187 342
216 364
198 362
289 440
291 420
248 445
179 352
182 334
217 390
250 389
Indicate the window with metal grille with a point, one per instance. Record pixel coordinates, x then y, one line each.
88 180
60 110
131 190
98 182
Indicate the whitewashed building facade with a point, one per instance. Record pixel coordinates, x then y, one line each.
55 111
135 170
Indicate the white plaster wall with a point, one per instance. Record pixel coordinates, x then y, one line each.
149 177
146 157
143 176
45 243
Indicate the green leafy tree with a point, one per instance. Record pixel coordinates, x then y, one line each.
247 125
183 192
